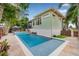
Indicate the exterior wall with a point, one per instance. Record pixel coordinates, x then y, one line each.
56 25
50 25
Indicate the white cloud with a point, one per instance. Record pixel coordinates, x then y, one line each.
65 5
63 11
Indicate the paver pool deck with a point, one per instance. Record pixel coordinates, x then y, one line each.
71 49
15 48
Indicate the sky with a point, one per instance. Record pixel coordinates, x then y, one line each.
35 8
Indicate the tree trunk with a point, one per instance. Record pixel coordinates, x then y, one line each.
78 19
78 26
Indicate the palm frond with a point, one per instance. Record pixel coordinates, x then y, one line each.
60 5
72 13
23 6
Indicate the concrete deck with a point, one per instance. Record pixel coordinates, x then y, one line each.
15 48
71 49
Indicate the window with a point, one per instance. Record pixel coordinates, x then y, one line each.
39 21
53 15
33 23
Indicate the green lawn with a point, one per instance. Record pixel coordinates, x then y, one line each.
61 37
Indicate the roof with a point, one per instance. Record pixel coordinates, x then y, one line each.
48 10
53 10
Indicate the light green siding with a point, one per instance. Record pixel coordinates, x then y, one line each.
51 24
46 22
56 23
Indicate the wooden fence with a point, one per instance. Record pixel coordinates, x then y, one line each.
69 33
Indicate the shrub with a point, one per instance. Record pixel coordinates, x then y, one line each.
59 36
4 48
54 35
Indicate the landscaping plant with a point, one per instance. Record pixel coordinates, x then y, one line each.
4 48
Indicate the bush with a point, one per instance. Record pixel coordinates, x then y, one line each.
54 35
4 48
59 36
3 53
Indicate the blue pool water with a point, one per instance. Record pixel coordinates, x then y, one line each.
39 45
31 39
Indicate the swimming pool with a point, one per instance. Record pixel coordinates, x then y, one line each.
31 39
39 45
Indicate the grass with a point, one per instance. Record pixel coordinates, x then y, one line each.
60 36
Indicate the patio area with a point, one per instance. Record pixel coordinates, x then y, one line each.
15 48
71 49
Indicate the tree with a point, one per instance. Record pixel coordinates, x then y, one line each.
11 13
23 23
72 14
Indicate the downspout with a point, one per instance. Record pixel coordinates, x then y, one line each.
51 28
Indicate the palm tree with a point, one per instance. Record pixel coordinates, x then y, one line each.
23 23
11 13
73 14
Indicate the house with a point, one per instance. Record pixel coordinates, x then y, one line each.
48 23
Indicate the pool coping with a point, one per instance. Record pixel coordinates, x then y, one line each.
24 48
59 49
27 52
